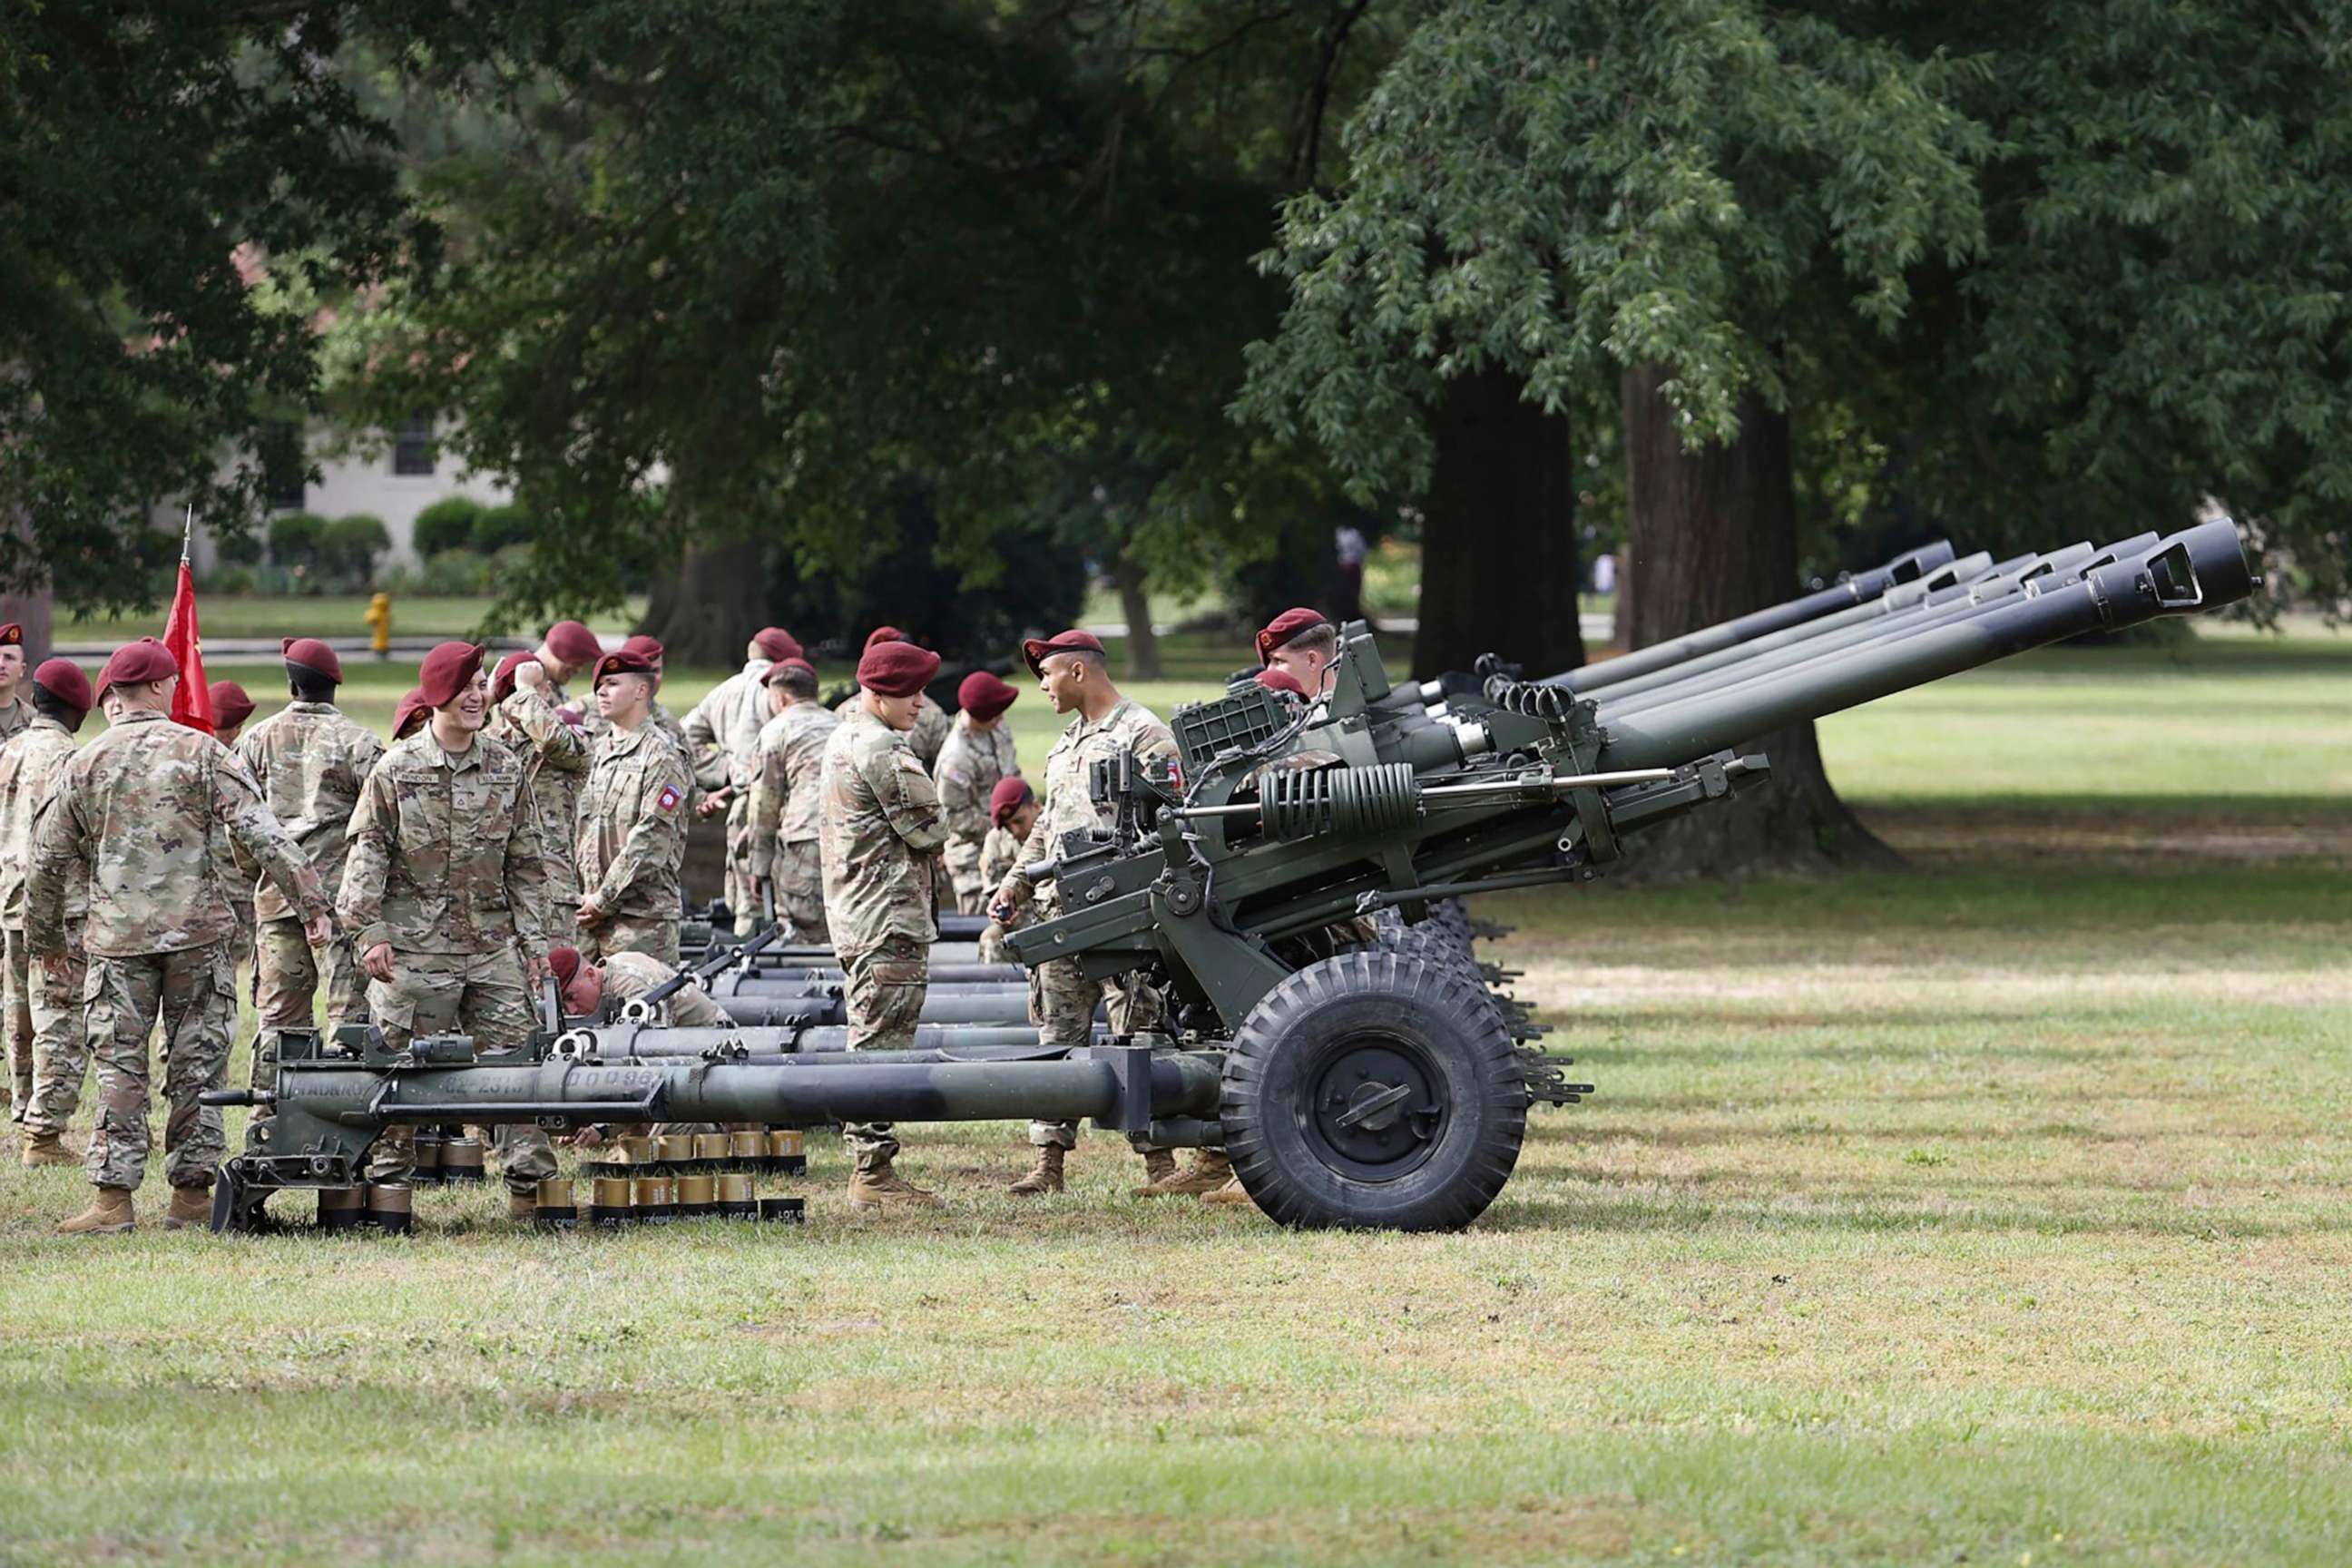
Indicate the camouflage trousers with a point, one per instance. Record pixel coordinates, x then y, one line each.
887 986
60 1048
18 993
963 871
993 948
629 933
481 995
742 873
194 992
799 891
1061 1003
287 977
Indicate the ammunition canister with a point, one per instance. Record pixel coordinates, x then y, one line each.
674 1148
391 1208
461 1160
784 1211
697 1197
709 1146
558 1208
428 1158
636 1149
735 1200
342 1208
787 1144
656 1200
613 1206
747 1145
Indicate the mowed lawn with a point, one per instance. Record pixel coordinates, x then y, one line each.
1995 1211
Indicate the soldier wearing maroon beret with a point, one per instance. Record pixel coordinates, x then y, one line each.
16 714
46 1051
444 888
1074 675
931 721
1302 645
313 761
631 827
722 748
787 792
527 695
1011 812
978 754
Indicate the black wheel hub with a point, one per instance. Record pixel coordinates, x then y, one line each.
1377 1109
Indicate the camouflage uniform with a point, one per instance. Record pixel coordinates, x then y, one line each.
137 820
444 863
722 748
312 760
632 974
784 800
879 826
970 765
929 734
555 761
1062 996
631 838
29 769
17 715
999 853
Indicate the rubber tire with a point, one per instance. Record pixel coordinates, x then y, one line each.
1283 1043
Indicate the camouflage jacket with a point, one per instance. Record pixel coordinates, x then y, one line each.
786 794
879 830
632 825
145 816
630 974
29 778
970 765
999 853
595 727
444 853
931 731
1067 802
555 759
312 760
15 717
722 733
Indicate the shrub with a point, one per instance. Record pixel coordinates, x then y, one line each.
500 526
230 580
348 548
447 524
242 548
458 573
294 538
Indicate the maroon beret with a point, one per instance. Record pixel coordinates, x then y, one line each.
777 645
502 678
408 715
448 671
781 665
885 634
63 679
11 635
231 705
1035 651
564 963
620 661
984 696
134 662
313 654
1280 680
1287 628
1010 793
574 644
643 646
897 669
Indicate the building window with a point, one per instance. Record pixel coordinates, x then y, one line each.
285 470
413 456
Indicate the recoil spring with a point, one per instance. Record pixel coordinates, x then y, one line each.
1378 799
1553 704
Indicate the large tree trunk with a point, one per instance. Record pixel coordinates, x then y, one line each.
712 606
1713 535
1134 604
32 611
1498 572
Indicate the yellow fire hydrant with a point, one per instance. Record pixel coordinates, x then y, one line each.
379 620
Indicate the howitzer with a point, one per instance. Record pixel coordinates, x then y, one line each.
1358 1073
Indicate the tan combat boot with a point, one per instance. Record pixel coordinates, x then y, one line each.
1045 1176
190 1206
1159 1165
1233 1192
108 1215
49 1149
524 1207
881 1187
1208 1171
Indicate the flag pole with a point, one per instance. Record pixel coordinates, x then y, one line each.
187 530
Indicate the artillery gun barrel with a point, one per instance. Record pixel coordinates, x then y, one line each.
2198 568
1862 585
741 982
767 1042
813 957
1470 794
1003 1005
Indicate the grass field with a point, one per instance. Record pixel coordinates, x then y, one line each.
1995 1210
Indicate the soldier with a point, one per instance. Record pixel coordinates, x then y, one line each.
442 886
879 831
722 747
1302 643
1282 683
1011 812
529 693
16 714
660 718
632 821
231 708
39 1022
589 988
978 753
408 715
931 731
785 796
135 818
312 760
1075 677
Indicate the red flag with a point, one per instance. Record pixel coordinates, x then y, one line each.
192 703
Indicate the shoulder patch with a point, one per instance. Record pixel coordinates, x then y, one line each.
669 797
909 763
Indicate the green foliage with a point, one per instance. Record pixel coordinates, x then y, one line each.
496 528
241 548
447 524
349 546
295 538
